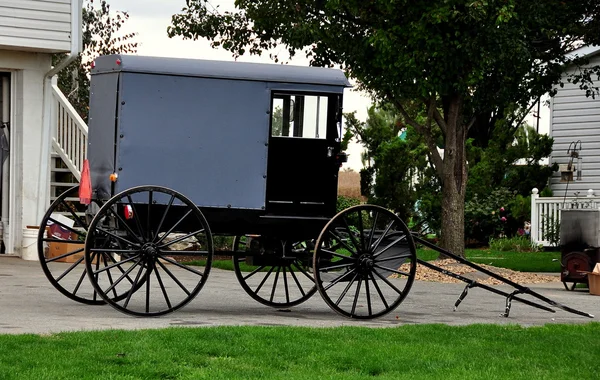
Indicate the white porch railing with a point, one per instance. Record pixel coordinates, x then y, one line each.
70 133
545 212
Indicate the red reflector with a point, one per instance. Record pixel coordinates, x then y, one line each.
93 64
128 211
118 61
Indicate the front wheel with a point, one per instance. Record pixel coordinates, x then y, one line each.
365 262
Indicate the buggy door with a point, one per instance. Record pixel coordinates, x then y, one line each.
303 144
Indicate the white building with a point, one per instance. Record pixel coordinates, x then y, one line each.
30 32
575 120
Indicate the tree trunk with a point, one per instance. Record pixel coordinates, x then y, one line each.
454 179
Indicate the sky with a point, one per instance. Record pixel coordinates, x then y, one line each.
150 19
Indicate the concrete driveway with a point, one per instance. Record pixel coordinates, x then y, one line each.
29 304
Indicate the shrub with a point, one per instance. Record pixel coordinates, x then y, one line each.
513 244
488 217
344 202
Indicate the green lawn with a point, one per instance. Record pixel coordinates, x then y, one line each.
519 261
405 352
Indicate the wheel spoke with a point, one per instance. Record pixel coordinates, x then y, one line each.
392 270
186 267
164 216
263 280
74 214
117 237
173 228
345 257
375 245
378 290
254 272
356 295
136 218
367 290
338 279
181 238
346 289
397 257
342 242
149 216
389 246
373 229
117 263
124 224
297 282
285 285
350 233
168 272
361 231
338 266
124 275
184 253
133 289
148 276
69 269
304 272
56 258
388 282
64 226
162 286
275 283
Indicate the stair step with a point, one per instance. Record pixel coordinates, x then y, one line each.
61 170
67 199
64 184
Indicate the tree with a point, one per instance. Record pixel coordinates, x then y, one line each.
460 61
100 37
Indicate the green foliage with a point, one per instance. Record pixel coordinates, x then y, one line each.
487 216
551 229
514 244
511 159
100 36
345 202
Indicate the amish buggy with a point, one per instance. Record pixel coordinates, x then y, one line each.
182 152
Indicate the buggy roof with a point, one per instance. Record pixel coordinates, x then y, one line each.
220 69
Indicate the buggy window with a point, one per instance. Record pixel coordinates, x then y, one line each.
299 116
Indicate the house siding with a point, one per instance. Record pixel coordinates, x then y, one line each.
576 117
35 25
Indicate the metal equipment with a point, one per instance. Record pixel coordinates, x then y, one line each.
182 151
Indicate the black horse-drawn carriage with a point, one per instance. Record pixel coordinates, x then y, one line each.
182 151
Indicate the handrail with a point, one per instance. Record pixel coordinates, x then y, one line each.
70 133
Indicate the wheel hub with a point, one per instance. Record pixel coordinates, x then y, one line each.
150 250
366 262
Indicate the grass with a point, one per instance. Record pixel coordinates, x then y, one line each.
406 352
519 261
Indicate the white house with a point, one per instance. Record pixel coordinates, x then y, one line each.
30 32
575 119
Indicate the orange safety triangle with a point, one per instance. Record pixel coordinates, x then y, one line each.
85 185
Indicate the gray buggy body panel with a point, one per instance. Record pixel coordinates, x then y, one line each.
199 127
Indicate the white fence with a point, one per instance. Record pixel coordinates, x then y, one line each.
70 133
545 213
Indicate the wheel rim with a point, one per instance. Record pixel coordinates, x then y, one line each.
62 258
284 282
364 262
149 250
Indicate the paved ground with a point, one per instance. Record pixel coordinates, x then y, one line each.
29 304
